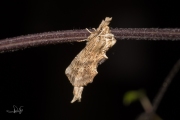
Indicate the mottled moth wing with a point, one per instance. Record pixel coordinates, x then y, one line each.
83 68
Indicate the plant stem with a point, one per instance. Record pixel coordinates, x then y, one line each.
165 85
27 41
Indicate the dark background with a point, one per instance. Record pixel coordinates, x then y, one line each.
35 77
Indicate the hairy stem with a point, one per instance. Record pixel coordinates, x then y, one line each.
22 42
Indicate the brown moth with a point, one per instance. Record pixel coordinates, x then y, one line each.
83 68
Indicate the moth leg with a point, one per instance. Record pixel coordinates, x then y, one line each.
88 30
94 29
82 40
77 94
102 61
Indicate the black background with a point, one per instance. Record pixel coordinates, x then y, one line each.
35 77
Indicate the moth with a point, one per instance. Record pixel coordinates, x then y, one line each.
83 68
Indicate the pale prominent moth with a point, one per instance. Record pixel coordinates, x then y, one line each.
83 68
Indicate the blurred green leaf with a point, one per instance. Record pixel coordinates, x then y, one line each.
132 96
